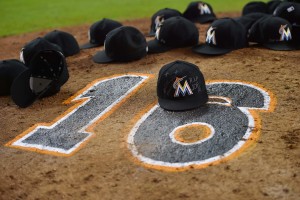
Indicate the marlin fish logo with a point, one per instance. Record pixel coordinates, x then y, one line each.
286 34
158 21
157 33
22 55
179 89
204 9
210 36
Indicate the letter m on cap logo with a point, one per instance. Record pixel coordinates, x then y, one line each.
158 21
181 89
204 9
210 36
286 34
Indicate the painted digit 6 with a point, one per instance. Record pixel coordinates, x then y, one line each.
232 126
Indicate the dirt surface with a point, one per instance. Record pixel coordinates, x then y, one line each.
104 168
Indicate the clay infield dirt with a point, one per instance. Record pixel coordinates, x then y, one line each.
105 167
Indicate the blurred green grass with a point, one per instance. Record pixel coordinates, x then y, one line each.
21 16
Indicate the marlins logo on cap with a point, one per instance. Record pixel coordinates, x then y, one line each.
179 89
22 55
158 21
159 17
210 36
273 32
204 9
285 33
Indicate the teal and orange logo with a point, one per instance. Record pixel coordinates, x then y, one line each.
181 89
285 33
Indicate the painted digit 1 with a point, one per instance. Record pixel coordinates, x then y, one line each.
231 127
71 130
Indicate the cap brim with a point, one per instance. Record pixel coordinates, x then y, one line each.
280 46
101 57
210 50
181 105
204 19
89 46
154 46
151 34
70 51
21 91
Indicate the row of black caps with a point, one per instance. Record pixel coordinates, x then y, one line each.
42 69
136 46
180 85
196 12
123 43
223 35
45 71
275 25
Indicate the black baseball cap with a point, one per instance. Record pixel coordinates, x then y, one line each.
289 11
122 44
272 5
98 32
249 19
254 7
44 75
273 33
181 86
175 32
34 46
65 41
200 12
9 70
161 15
223 36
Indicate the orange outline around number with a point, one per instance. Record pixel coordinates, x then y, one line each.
250 141
253 137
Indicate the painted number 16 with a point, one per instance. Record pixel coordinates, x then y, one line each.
229 120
